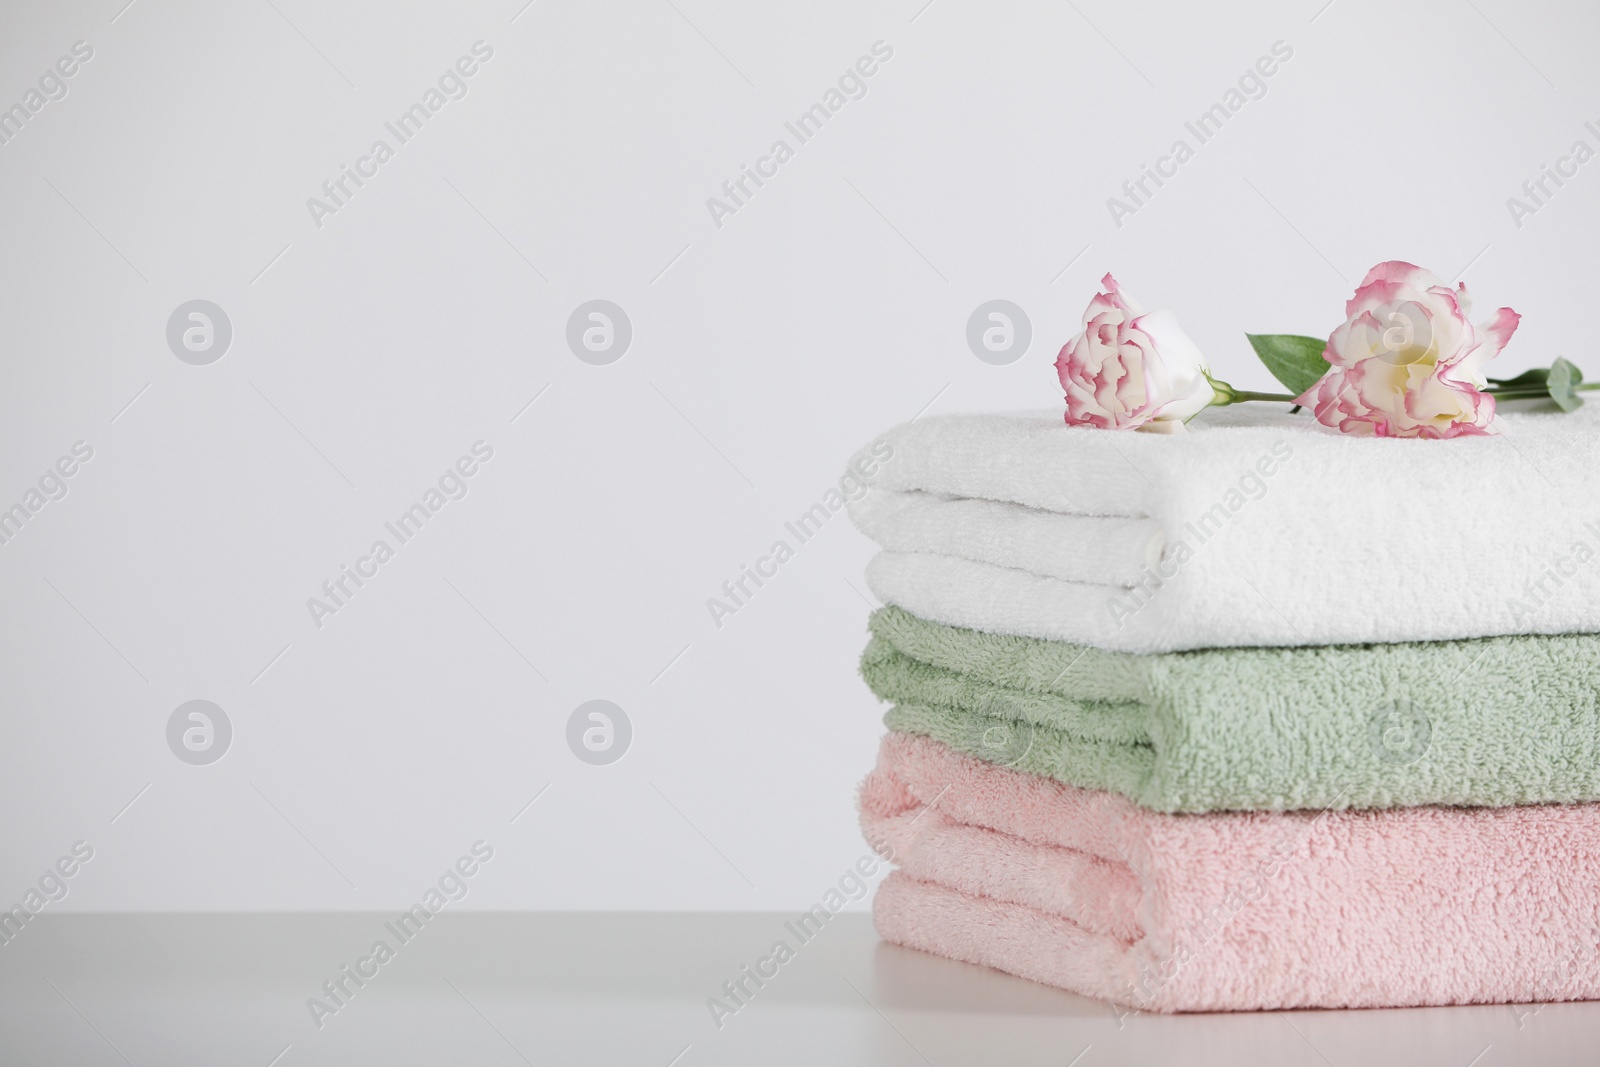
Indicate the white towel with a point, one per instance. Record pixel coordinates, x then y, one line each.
1255 527
1076 548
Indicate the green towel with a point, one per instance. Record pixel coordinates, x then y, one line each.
1488 722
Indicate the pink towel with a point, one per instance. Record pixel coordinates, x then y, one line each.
1238 910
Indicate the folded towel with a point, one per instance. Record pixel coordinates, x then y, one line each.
1253 528
1075 548
1495 721
1086 891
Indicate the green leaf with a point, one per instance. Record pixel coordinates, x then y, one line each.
1563 382
1528 379
1295 361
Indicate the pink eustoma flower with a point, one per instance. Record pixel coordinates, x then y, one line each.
1130 369
1407 362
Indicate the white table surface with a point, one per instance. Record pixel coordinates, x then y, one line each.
491 989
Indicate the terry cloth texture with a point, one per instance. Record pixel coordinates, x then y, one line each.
1243 911
1496 721
1252 528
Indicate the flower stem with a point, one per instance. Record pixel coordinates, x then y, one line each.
1241 395
1535 392
1224 394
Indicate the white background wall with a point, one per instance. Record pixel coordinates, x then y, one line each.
426 313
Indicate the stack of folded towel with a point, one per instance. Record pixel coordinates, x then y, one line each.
1254 716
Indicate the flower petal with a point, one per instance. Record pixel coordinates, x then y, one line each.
1491 336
